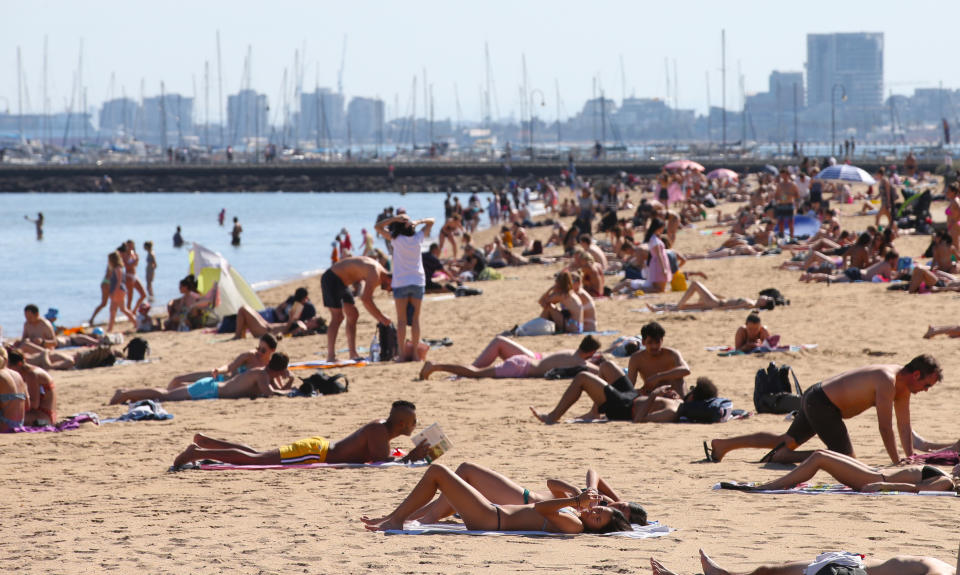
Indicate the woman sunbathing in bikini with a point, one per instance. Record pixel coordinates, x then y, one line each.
563 515
501 490
706 300
858 476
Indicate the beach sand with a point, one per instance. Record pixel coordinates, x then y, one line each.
100 499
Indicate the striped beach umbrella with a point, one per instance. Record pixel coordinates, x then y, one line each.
846 173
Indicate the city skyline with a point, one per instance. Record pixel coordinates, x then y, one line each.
385 51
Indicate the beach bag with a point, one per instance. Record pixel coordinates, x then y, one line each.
537 326
228 324
772 390
322 384
713 410
137 349
387 337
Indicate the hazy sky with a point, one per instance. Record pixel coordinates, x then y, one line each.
389 42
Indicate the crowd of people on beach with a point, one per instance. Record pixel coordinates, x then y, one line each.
600 254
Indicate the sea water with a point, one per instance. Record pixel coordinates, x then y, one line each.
285 236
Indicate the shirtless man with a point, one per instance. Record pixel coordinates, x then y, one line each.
785 201
43 398
899 565
246 361
337 298
274 379
586 242
887 268
751 334
369 444
518 361
614 394
826 404
36 329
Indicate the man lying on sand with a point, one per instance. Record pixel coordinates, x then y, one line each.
620 404
887 269
369 444
518 361
899 565
260 382
826 404
246 361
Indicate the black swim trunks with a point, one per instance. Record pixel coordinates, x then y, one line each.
623 383
819 416
784 210
335 292
853 274
619 404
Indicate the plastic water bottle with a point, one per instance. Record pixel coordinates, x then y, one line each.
375 349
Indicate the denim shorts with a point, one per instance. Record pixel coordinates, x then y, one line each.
411 291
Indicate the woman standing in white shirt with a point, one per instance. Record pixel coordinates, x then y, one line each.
409 279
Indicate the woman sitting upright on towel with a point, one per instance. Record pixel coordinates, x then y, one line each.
564 515
859 476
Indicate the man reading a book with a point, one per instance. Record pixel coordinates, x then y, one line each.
369 444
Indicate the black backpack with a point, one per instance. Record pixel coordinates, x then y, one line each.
387 336
772 390
322 384
137 349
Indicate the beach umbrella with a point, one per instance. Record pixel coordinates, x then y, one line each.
724 174
846 173
770 169
684 165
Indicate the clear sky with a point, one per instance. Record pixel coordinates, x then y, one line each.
388 43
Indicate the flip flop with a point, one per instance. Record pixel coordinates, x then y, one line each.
709 453
769 456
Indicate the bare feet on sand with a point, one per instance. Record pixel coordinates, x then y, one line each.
380 524
117 397
658 568
426 370
187 456
709 567
930 332
543 417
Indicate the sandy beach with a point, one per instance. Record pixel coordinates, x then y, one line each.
100 499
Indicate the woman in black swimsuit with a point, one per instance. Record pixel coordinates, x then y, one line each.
858 476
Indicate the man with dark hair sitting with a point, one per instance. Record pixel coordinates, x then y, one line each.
518 361
369 444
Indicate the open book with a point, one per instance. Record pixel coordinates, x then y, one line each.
436 439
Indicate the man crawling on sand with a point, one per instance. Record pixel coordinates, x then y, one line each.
259 382
369 444
518 361
900 565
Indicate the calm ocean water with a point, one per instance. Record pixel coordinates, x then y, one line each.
285 235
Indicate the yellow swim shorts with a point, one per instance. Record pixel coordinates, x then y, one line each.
310 450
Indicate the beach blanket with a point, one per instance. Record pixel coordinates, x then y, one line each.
839 489
734 414
227 466
727 350
323 364
942 457
72 422
416 528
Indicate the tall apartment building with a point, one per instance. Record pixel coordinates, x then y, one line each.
365 117
173 113
246 116
321 116
853 61
119 116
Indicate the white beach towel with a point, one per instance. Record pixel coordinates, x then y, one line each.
416 528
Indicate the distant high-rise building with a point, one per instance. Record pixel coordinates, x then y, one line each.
853 60
782 86
118 117
173 112
365 118
246 116
321 116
